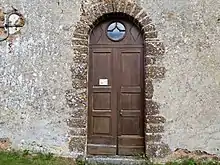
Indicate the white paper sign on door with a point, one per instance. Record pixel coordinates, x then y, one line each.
103 81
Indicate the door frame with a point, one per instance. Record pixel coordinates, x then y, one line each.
77 96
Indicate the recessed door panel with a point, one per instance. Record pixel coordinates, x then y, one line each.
101 125
129 62
102 101
131 101
102 70
129 124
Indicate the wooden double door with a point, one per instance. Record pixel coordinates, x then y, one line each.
116 101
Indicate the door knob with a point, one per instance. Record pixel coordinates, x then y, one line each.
121 111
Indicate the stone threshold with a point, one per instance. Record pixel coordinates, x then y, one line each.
122 160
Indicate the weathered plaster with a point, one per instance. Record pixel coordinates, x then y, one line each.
189 94
34 74
39 96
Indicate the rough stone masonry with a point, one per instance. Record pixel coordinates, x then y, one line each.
43 74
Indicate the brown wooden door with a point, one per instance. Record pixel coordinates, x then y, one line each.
115 116
130 101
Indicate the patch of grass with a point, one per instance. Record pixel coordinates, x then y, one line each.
24 158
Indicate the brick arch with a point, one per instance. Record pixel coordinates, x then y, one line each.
77 97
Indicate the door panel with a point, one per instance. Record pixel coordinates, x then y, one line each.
131 150
129 124
130 68
126 140
130 133
130 101
102 101
103 65
102 105
101 150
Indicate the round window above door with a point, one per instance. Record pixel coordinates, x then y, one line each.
116 31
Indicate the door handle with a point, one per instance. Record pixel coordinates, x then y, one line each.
121 112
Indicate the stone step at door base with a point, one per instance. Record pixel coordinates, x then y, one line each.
114 160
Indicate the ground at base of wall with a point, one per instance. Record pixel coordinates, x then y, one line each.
25 158
178 157
147 162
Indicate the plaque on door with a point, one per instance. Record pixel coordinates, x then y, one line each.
103 81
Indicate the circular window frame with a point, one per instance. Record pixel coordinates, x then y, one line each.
116 21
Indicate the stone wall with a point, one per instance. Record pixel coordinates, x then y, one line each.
35 74
43 87
189 93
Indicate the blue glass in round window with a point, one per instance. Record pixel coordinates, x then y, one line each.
116 31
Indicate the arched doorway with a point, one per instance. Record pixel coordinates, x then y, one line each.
116 89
